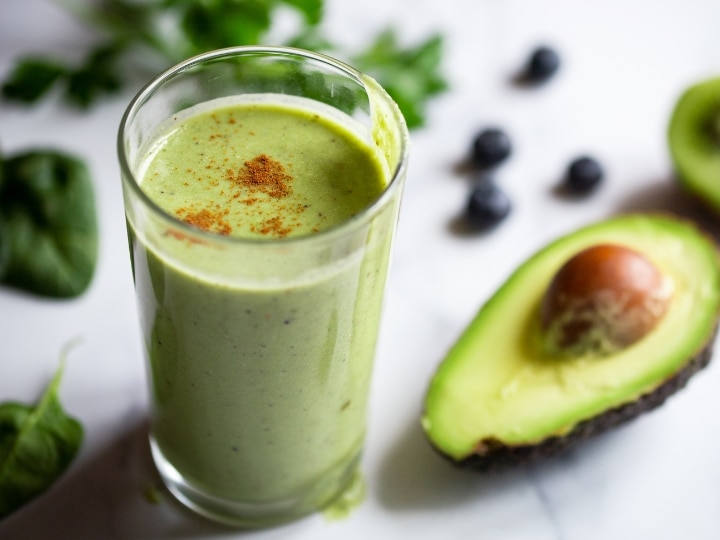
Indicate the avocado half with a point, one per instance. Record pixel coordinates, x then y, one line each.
499 399
694 140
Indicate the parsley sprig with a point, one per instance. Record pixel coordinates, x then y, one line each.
163 32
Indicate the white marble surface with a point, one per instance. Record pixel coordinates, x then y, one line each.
624 64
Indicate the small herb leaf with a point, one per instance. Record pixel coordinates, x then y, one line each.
36 446
95 78
409 75
311 9
49 234
311 39
31 79
216 25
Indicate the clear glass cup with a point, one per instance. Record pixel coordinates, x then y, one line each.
256 421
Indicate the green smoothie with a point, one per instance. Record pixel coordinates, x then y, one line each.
263 170
260 328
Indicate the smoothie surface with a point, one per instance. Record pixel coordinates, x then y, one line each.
262 169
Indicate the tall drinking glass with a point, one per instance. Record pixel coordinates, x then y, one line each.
259 312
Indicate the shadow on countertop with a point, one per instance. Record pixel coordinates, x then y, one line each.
665 195
113 494
414 477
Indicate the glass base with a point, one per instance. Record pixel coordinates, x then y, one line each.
253 515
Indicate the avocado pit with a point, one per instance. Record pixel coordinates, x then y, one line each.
602 300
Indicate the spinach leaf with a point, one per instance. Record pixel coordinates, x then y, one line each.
48 224
36 446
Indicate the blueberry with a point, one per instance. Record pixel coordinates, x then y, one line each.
487 206
490 148
544 62
584 174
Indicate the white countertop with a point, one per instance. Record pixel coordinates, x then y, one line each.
624 64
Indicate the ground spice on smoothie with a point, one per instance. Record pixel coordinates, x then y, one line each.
262 173
273 226
206 220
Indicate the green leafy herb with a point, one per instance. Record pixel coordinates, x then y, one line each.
171 30
32 78
37 443
48 224
410 76
97 76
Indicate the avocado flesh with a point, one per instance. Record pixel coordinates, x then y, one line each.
694 140
497 391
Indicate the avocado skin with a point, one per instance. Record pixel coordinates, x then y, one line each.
498 456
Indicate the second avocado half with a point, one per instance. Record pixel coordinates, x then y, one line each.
501 397
694 140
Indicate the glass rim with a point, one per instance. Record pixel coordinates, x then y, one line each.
351 224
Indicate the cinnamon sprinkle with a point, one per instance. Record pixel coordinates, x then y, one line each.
273 226
260 175
263 174
206 220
